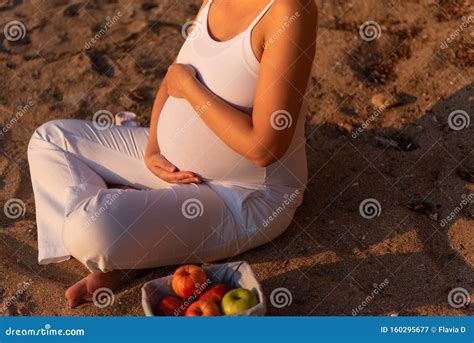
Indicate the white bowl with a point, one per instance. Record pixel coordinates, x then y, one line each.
236 274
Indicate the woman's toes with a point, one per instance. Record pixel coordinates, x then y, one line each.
83 290
77 293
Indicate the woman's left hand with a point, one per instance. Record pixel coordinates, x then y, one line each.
179 78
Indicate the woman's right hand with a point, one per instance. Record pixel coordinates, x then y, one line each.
168 172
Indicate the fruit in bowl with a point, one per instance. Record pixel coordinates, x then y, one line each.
188 279
195 295
203 308
215 292
169 306
238 300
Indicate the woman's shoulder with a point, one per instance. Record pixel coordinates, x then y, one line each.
299 18
305 9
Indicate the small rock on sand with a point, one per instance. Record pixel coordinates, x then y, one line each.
399 142
385 100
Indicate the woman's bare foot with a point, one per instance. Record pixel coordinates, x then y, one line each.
83 290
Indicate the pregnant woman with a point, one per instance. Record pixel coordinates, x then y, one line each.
221 170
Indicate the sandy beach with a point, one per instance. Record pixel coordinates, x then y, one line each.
390 126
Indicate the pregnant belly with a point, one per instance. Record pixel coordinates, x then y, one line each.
187 142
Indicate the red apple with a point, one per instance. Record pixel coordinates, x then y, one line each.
216 292
203 308
169 306
187 279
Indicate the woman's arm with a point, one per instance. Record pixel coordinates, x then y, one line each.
160 99
284 72
154 161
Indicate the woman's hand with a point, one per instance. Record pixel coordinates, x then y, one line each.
166 171
179 78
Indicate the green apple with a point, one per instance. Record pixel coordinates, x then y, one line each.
238 300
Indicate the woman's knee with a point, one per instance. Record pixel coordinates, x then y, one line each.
51 131
89 236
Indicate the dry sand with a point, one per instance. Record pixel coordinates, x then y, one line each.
331 258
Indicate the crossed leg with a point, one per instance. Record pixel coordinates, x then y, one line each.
113 231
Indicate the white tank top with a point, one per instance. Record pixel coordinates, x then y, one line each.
230 70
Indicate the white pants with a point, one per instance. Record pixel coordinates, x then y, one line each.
154 224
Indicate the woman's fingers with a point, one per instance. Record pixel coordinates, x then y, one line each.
190 180
168 172
182 177
175 177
